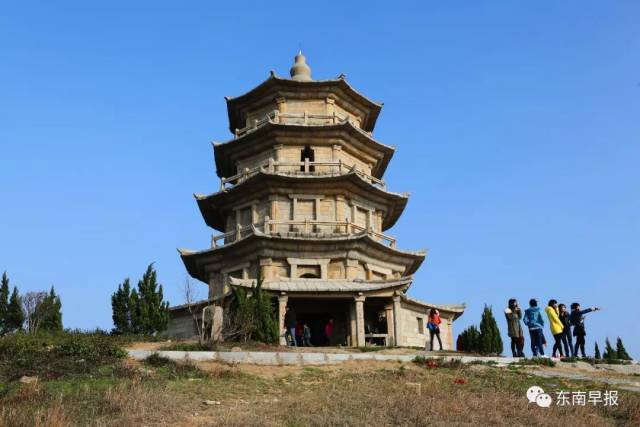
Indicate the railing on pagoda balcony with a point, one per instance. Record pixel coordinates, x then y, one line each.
305 118
305 168
301 228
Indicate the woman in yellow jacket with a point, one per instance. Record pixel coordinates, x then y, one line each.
557 328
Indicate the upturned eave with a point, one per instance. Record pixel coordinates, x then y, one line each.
275 84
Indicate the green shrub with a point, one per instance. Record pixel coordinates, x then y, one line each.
52 355
539 361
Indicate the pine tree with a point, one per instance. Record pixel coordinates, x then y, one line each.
15 314
609 352
4 302
621 352
490 340
153 312
266 328
597 355
51 313
134 312
121 309
470 340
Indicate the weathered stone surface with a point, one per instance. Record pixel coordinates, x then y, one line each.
301 197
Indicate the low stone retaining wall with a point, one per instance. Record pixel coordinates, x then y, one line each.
293 358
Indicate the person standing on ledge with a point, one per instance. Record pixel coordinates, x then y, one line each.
577 321
434 327
556 326
513 313
534 321
564 316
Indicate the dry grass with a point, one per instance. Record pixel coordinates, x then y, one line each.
356 394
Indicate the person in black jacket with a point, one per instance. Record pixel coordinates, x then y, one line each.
290 322
577 321
565 318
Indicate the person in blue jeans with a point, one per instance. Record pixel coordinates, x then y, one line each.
534 321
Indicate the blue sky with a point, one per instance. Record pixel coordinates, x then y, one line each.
516 125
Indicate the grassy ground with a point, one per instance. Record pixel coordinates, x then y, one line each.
166 393
118 392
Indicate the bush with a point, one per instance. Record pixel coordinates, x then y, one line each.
53 355
438 362
539 361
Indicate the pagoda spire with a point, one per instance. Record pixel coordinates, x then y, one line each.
300 71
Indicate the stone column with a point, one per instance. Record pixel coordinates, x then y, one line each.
282 308
390 325
397 324
216 323
340 216
353 327
360 319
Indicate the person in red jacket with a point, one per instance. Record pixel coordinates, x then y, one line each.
328 332
434 327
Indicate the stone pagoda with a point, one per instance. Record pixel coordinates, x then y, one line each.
302 203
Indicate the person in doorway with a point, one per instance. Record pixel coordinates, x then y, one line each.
299 333
290 325
556 326
577 321
306 335
564 316
328 332
513 313
534 321
433 325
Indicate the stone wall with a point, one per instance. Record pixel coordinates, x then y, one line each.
181 325
411 336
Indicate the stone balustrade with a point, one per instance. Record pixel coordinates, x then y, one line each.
303 228
305 118
303 168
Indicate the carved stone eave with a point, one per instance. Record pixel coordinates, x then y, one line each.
213 206
276 86
264 138
339 286
200 264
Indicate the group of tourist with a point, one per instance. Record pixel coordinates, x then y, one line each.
298 334
564 325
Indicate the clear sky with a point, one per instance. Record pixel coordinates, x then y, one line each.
517 129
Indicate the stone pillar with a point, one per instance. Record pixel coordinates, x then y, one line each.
216 323
390 325
281 102
353 327
360 319
282 308
397 324
340 216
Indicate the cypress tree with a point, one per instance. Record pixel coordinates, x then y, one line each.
15 314
120 308
4 302
597 355
51 315
134 313
621 352
609 352
490 340
152 310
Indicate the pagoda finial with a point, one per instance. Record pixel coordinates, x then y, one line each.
300 71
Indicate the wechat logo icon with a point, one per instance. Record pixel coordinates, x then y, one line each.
536 394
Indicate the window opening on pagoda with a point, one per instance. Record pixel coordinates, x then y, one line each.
307 153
